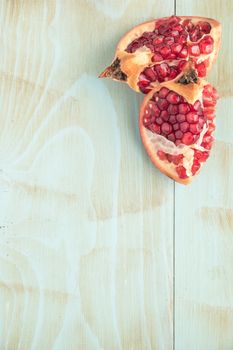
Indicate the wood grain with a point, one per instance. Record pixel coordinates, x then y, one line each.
204 217
86 222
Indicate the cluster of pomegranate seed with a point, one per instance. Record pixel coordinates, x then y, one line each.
173 40
171 116
169 39
159 72
199 157
210 96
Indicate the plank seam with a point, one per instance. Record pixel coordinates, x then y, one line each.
174 246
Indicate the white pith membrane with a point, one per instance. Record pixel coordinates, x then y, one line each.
160 143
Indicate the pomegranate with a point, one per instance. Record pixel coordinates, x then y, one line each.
180 49
167 59
176 126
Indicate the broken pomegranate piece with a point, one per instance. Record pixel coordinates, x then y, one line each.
179 136
171 48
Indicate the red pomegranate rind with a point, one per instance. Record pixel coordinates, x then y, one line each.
165 49
189 127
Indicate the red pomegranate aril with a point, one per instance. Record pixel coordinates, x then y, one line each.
172 109
171 137
169 157
184 108
178 27
176 48
150 74
178 142
209 102
206 145
188 138
162 69
151 47
206 45
155 128
146 35
143 83
178 134
146 121
181 39
171 56
195 167
201 121
162 104
162 29
174 19
143 78
195 35
164 115
181 64
194 50
180 118
192 117
158 40
154 108
197 105
181 171
201 156
176 126
211 128
165 50
159 121
184 52
153 119
184 126
169 40
174 33
208 138
205 27
156 97
201 69
144 86
161 155
208 90
188 25
177 159
166 128
157 57
163 92
173 73
211 116
157 48
173 97
172 119
134 47
194 128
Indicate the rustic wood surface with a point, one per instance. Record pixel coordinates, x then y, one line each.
98 249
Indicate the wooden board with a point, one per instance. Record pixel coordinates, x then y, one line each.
204 217
86 222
